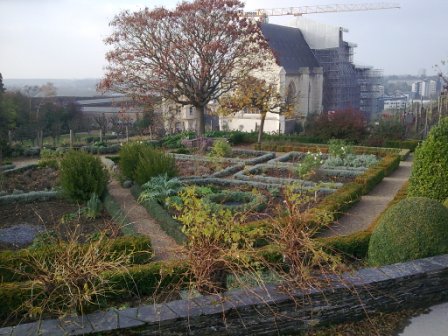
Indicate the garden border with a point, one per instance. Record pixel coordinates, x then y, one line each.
268 310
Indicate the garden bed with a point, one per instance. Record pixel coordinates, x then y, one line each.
187 168
60 217
31 179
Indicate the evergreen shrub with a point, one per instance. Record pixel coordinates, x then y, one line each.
416 227
81 175
140 162
429 176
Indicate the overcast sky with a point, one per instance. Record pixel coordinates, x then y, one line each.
64 38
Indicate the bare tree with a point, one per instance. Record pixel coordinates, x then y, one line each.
190 55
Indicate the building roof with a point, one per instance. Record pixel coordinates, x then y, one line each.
290 47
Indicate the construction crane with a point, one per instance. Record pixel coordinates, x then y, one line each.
263 14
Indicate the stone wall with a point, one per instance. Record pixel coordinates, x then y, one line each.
265 311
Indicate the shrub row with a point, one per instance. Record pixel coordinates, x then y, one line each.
117 214
11 261
172 227
314 148
20 169
357 244
408 144
135 281
376 173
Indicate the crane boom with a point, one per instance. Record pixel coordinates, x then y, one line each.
298 11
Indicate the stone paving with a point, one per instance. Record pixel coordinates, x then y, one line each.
362 214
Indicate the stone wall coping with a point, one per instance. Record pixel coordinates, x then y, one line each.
248 301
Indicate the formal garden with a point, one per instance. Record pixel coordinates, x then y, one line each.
242 217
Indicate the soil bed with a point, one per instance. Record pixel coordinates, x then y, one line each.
48 216
274 202
33 179
315 177
199 168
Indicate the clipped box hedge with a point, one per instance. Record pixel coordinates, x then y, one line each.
13 295
135 281
357 243
10 261
168 224
147 279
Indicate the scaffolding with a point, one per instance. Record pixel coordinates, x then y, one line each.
345 85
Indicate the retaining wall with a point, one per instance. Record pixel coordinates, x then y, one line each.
266 311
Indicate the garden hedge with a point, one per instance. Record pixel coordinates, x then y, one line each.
357 244
414 228
10 261
429 177
172 227
135 281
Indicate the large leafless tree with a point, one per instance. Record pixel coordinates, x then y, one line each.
190 55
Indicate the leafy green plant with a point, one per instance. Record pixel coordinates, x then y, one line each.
309 164
414 228
50 158
159 188
93 207
214 245
153 163
81 175
429 177
129 156
221 148
351 160
236 201
140 162
339 148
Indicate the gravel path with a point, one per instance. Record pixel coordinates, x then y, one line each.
163 245
362 214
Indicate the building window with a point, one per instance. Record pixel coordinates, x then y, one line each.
191 110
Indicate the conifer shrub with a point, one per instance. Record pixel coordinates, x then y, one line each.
414 228
429 176
128 158
140 162
81 175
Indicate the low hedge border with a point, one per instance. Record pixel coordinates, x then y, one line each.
20 169
314 148
263 157
135 281
168 224
7 167
117 214
31 196
407 144
229 170
250 201
10 261
357 244
325 187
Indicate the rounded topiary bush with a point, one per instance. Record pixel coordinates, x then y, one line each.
81 175
414 228
429 176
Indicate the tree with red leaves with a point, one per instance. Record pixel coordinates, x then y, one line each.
190 55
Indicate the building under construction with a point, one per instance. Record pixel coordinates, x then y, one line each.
345 85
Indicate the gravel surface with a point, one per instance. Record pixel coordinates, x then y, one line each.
20 235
